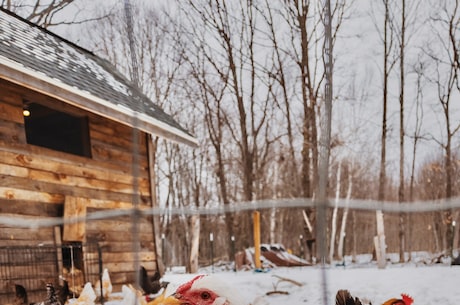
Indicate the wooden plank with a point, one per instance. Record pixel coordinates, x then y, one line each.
66 167
121 267
121 246
37 152
33 237
102 151
115 134
11 113
30 208
56 177
9 94
116 236
12 170
115 225
19 194
59 177
61 190
128 257
12 132
74 209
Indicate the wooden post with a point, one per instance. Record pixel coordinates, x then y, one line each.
74 217
379 241
211 240
256 218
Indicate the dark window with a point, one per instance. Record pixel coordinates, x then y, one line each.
56 130
72 256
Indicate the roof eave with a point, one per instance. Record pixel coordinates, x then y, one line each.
18 74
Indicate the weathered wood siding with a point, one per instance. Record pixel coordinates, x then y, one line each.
35 182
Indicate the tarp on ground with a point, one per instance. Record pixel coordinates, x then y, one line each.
270 256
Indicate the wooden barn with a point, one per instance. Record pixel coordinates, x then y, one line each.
75 139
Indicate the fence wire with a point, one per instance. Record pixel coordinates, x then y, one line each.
364 205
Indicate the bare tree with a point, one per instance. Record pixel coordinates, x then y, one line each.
446 80
47 13
402 45
387 41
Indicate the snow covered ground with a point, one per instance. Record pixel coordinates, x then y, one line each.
434 284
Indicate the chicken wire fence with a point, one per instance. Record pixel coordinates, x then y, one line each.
33 267
424 226
424 229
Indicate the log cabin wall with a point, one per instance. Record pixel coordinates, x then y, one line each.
41 182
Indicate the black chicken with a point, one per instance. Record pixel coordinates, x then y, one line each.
343 297
51 297
20 295
63 292
54 296
150 285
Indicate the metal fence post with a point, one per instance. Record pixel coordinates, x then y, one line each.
99 254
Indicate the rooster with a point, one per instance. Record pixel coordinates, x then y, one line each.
343 297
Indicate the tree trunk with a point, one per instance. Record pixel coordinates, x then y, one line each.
195 242
401 134
334 217
456 227
381 251
340 250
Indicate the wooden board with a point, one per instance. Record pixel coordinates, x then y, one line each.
74 216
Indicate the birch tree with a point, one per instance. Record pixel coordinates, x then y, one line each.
341 250
334 214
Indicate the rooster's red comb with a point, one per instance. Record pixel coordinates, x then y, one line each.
408 300
188 285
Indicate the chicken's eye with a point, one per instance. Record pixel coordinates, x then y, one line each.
205 295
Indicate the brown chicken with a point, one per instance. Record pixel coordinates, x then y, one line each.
343 297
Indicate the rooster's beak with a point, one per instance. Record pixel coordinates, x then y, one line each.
171 300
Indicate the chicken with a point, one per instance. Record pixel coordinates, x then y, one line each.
51 297
150 285
20 297
203 290
404 300
87 296
106 285
63 292
132 295
343 297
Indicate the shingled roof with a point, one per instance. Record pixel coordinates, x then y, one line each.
42 61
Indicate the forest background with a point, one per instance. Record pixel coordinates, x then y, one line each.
247 79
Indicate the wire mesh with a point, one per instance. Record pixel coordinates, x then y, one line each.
33 267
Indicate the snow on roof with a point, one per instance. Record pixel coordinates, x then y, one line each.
39 53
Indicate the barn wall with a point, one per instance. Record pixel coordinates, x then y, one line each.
37 182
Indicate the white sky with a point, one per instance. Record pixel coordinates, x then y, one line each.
358 83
